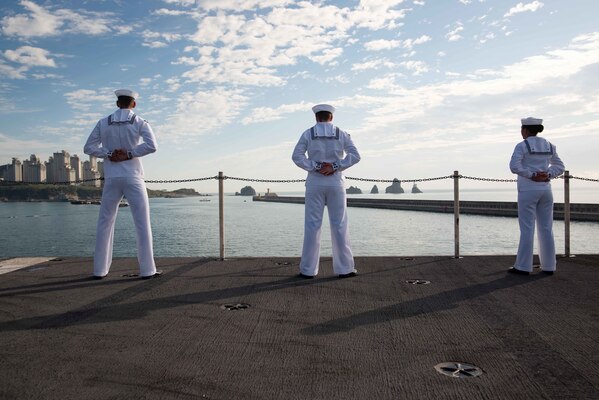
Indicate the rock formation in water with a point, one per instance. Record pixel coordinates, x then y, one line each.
374 190
246 191
353 190
395 187
415 189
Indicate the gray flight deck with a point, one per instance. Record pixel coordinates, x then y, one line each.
251 329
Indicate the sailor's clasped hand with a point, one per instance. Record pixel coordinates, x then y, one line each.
326 169
540 177
119 155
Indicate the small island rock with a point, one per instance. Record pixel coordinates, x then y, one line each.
395 187
246 191
415 189
353 190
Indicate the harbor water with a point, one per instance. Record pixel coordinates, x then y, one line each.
189 227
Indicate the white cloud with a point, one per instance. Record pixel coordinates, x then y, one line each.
266 114
158 39
523 79
21 148
39 22
416 67
454 35
46 76
376 14
173 84
328 56
249 49
383 44
202 112
154 44
85 99
386 83
372 64
521 7
42 22
30 57
184 3
11 72
487 37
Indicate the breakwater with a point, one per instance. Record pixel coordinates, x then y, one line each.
578 211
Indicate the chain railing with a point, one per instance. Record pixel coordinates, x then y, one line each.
455 177
260 180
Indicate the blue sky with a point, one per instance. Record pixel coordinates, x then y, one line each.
424 87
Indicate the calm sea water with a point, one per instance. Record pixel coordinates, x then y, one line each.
188 227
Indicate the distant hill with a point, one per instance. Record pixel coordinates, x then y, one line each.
50 192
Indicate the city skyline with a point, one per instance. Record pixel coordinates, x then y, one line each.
423 87
60 167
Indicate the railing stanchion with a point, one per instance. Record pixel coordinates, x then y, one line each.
221 215
456 213
567 213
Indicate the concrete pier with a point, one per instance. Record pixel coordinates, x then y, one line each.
251 329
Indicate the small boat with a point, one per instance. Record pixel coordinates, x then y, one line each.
85 201
81 202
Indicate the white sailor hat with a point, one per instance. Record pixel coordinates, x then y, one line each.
126 92
531 121
323 107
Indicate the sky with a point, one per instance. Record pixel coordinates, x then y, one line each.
424 87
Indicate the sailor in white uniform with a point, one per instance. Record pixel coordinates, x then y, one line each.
121 139
536 162
325 151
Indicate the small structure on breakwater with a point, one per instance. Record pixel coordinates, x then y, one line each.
268 194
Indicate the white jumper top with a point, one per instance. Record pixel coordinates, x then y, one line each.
121 130
325 142
532 155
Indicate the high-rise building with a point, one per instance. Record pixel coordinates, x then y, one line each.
4 171
34 171
59 168
90 171
50 170
101 171
76 167
12 172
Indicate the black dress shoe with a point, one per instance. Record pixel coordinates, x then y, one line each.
350 275
548 272
517 271
156 275
96 277
300 275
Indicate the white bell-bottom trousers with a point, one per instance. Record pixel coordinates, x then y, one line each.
134 189
334 199
535 205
